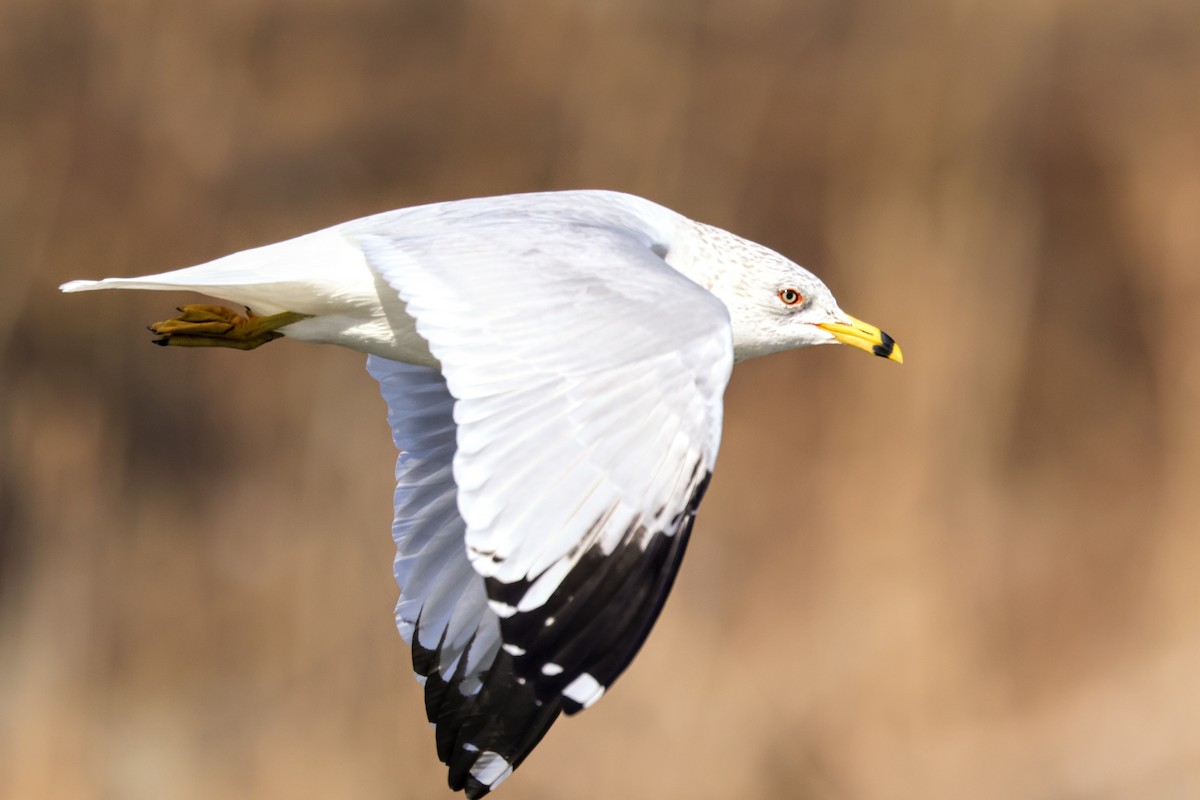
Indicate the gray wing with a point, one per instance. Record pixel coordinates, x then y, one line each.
485 721
586 378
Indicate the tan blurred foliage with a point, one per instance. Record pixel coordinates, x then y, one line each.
976 575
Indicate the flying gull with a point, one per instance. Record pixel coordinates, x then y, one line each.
553 366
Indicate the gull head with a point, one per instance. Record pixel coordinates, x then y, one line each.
776 304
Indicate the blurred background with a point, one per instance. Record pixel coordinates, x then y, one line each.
976 575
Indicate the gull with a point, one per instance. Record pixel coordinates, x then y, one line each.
553 366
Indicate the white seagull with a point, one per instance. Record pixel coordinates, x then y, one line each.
553 366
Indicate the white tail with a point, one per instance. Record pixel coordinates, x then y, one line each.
312 274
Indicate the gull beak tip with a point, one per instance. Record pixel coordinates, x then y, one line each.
887 348
864 336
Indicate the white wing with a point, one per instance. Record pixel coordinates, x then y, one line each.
587 378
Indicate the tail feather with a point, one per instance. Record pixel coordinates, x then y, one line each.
150 282
264 298
317 273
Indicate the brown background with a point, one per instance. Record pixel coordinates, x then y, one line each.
976 575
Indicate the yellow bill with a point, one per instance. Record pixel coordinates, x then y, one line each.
865 336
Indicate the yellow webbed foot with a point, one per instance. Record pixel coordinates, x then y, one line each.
218 326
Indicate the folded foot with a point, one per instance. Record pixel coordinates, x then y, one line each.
218 326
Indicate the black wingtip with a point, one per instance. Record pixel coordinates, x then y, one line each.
474 790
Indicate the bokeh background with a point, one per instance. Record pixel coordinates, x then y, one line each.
976 575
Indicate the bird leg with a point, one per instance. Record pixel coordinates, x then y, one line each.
218 326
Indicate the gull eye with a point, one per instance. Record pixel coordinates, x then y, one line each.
790 297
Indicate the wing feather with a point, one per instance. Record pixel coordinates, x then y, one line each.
588 378
550 474
485 721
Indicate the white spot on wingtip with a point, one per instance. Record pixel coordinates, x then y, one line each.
513 650
584 690
550 670
490 768
501 610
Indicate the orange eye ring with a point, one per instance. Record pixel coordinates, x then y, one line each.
790 297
